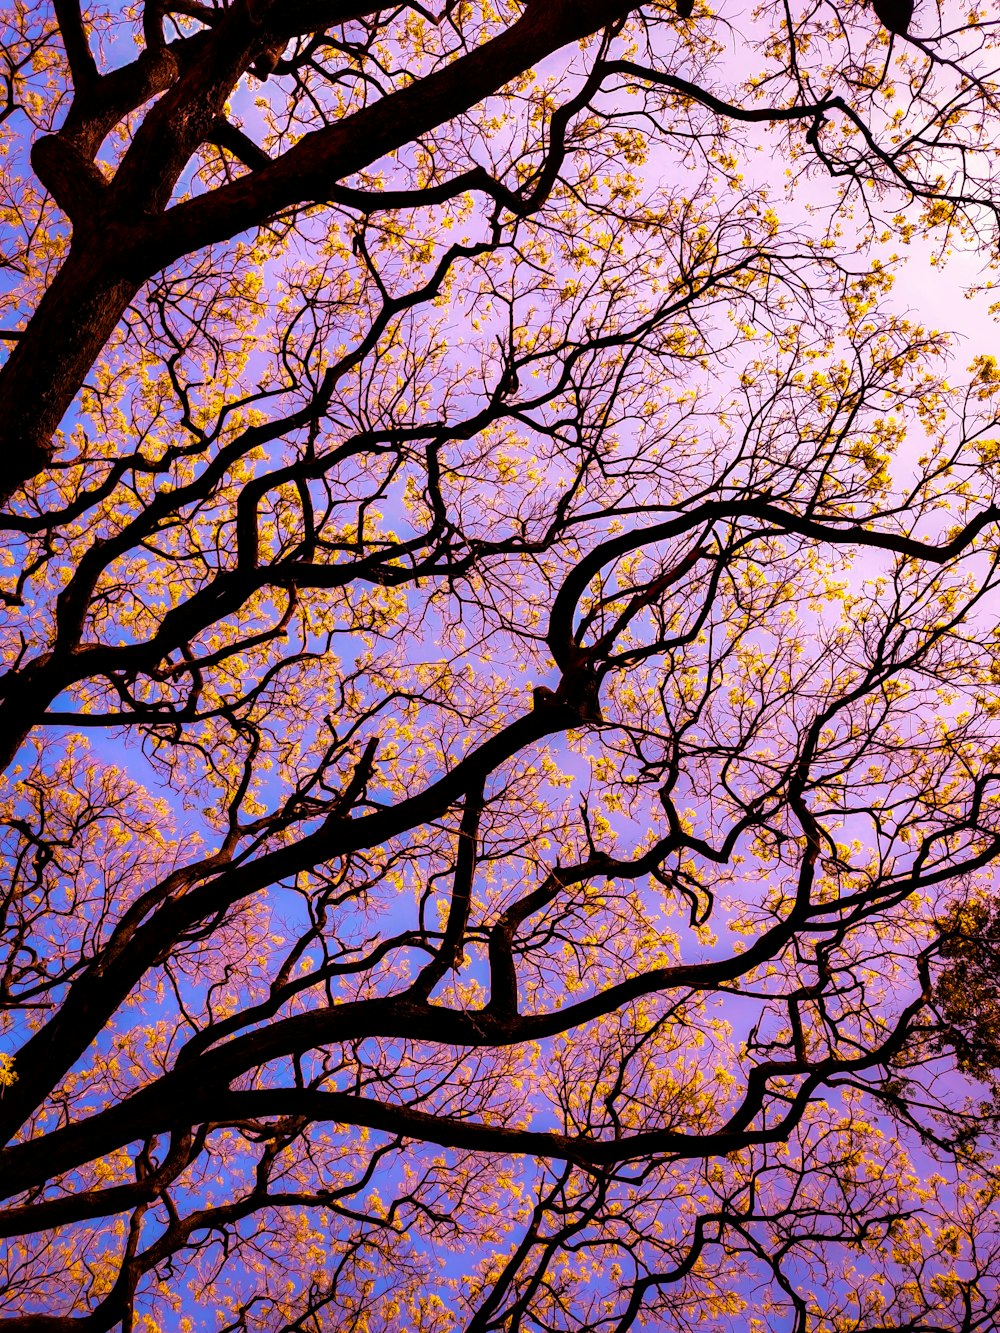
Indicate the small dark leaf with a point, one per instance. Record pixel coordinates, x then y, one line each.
894 15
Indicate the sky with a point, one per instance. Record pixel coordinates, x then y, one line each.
935 295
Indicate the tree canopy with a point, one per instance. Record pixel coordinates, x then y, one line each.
501 708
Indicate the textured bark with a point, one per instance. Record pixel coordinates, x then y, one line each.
47 367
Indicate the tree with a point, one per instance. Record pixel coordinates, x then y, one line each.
501 709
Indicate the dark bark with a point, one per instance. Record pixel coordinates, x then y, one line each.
93 289
47 366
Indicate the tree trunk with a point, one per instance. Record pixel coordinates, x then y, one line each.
73 321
